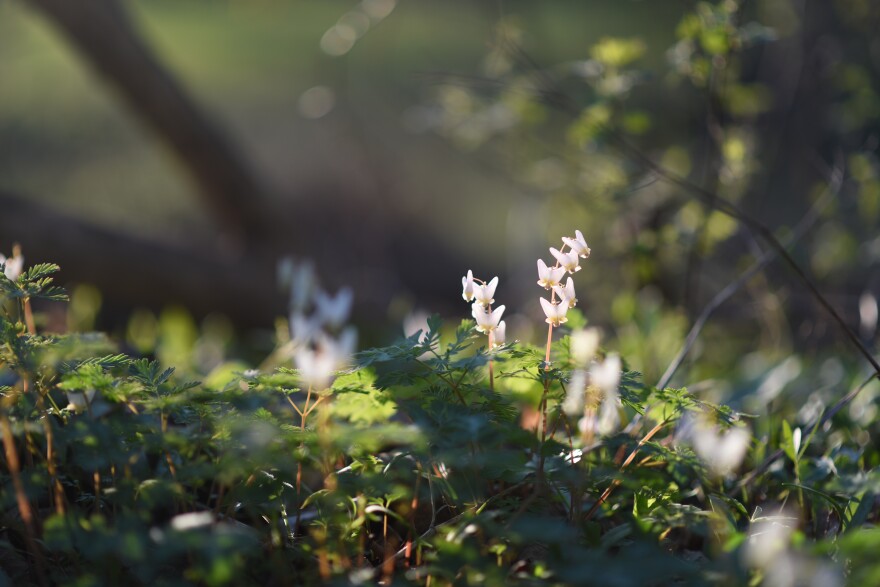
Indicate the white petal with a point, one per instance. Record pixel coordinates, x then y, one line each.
606 375
549 309
574 397
501 333
583 345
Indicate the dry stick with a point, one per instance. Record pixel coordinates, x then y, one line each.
623 466
24 506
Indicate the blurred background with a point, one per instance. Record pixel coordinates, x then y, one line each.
167 154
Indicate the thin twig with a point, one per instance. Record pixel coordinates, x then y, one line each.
722 296
614 484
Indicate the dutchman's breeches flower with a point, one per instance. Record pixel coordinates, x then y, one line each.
484 293
14 265
567 293
501 333
467 286
334 310
568 261
487 321
555 312
577 244
549 277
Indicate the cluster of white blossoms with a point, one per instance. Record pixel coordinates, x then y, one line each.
481 294
600 379
562 298
14 265
321 343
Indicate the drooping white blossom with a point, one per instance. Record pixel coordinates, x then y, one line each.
721 451
578 244
501 333
573 404
331 310
79 401
567 293
486 321
301 278
549 277
303 328
606 375
484 293
467 286
13 266
555 312
318 365
569 261
583 345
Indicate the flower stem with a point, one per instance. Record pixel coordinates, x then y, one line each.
491 362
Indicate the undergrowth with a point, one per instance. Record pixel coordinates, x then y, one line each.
418 464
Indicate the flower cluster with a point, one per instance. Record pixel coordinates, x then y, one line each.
14 265
321 344
598 379
550 278
481 294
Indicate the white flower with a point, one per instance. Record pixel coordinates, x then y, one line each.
303 328
13 266
500 333
588 424
606 375
486 321
609 416
549 276
415 322
484 292
79 401
583 345
302 282
467 286
578 244
569 261
574 393
769 538
555 312
566 293
317 366
334 311
722 452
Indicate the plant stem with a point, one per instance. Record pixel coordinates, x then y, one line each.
491 362
24 506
